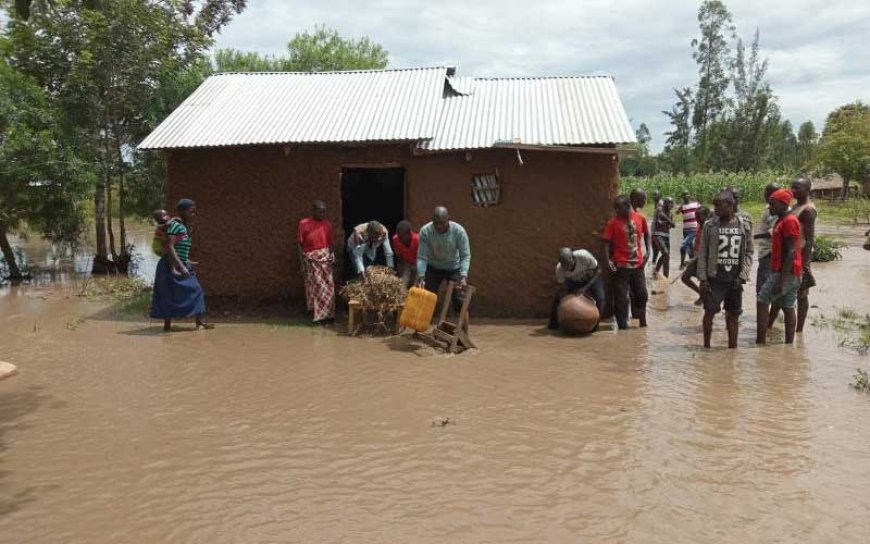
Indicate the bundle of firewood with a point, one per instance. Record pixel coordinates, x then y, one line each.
381 290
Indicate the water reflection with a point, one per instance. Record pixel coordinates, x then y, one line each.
49 263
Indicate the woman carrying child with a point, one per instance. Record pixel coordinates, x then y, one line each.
178 295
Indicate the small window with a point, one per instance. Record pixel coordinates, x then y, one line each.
485 190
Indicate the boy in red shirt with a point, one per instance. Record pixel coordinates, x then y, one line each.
626 249
405 243
786 266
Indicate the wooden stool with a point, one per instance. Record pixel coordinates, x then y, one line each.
354 306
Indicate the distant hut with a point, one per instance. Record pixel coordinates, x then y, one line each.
527 165
831 187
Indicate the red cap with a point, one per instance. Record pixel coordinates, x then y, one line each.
783 195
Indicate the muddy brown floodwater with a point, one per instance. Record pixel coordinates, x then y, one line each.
113 432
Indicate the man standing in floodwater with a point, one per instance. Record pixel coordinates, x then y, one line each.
315 237
786 266
724 263
765 230
623 238
444 254
656 197
806 214
690 227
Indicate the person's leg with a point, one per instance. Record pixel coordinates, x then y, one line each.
790 324
596 291
432 279
167 325
666 257
773 314
690 245
637 288
762 309
620 297
762 273
732 324
707 325
200 324
803 308
553 324
458 294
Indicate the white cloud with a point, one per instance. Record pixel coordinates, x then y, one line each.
817 48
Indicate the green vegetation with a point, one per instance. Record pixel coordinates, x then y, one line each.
862 380
83 81
705 186
852 329
845 144
128 296
827 249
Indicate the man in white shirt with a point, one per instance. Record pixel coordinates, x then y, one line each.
577 273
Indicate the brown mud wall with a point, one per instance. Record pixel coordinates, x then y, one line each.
250 200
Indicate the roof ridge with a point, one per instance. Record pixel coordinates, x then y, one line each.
334 72
524 78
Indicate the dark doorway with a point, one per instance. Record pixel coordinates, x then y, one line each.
372 194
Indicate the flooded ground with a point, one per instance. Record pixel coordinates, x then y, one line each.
252 432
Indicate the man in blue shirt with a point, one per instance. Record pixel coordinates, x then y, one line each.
444 255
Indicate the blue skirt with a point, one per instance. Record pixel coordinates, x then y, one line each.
175 296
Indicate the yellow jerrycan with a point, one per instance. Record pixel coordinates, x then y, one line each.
418 310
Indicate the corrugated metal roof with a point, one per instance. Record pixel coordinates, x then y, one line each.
395 105
271 108
532 111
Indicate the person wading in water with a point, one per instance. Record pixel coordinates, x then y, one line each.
724 263
178 296
786 265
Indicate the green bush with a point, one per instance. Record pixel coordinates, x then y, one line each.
827 249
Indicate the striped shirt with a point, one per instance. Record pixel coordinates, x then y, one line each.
690 222
182 238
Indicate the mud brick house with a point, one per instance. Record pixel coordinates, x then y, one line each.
527 165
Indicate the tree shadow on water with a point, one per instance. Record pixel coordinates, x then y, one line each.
14 405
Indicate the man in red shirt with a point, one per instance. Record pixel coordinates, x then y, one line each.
626 248
405 245
786 266
315 237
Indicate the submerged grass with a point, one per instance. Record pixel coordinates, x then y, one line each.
852 329
862 380
127 295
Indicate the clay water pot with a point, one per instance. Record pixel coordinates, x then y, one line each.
577 314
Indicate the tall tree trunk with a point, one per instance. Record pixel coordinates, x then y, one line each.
124 261
109 227
15 274
102 264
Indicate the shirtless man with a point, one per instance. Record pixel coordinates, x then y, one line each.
806 214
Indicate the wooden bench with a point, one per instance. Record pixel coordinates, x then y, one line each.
355 306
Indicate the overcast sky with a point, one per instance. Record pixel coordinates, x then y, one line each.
818 49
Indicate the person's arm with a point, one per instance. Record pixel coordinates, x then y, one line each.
589 283
388 252
701 257
464 248
357 250
809 227
788 254
646 242
422 257
748 252
607 236
173 256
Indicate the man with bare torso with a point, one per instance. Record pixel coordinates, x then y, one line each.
806 214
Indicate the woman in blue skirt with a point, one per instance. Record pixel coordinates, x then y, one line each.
177 293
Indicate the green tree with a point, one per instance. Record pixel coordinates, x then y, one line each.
712 54
807 139
322 50
845 144
677 155
37 178
101 64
